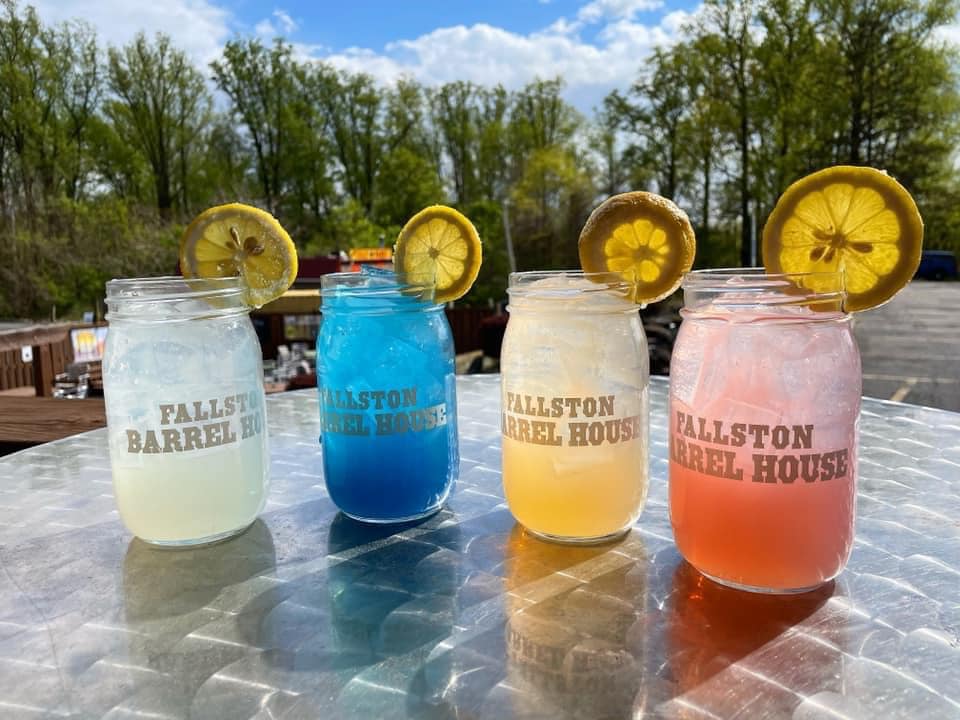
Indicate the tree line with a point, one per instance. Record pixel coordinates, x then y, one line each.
106 152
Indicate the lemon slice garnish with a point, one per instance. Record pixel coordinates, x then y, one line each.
855 220
240 240
439 247
645 238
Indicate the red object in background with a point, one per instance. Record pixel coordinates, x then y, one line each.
311 269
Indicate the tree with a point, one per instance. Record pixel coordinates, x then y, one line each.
409 182
552 199
262 86
703 126
604 141
887 69
309 169
26 98
786 107
654 114
82 92
493 151
160 107
454 114
541 132
730 25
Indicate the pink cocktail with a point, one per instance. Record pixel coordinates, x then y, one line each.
764 405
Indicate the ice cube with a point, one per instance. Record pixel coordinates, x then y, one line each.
379 273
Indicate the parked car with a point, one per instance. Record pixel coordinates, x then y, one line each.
937 265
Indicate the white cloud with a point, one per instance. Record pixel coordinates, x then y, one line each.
674 22
562 26
199 27
268 30
489 55
287 23
265 29
599 10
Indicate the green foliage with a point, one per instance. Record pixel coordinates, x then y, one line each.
262 85
351 227
491 284
761 93
551 201
414 184
161 108
106 152
66 266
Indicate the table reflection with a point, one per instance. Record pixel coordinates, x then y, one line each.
555 642
178 633
732 652
568 652
163 584
391 599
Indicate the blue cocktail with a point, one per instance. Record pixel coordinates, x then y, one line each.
388 410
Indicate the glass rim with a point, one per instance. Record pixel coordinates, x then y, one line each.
757 273
357 285
174 299
605 281
736 288
171 288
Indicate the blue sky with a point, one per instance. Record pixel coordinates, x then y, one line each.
376 23
595 45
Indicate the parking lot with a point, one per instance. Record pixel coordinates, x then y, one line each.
911 346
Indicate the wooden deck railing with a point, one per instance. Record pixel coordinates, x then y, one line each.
52 352
38 417
29 420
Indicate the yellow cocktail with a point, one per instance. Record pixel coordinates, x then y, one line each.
574 401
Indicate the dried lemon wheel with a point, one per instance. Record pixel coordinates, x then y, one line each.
240 240
856 220
645 238
439 246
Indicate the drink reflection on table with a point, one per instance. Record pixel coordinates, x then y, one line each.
162 585
727 649
181 610
391 599
568 653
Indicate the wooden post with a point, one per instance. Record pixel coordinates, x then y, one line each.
43 370
277 335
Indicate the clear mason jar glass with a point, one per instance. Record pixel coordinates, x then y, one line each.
765 391
183 384
574 380
388 398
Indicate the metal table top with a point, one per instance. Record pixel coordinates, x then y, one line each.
309 614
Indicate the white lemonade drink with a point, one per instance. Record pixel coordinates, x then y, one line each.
185 410
220 469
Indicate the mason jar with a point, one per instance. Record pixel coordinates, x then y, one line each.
765 389
574 379
183 384
388 399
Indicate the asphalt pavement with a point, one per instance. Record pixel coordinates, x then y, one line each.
911 346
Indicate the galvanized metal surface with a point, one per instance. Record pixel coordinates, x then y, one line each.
309 614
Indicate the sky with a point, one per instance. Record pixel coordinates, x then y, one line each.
594 45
